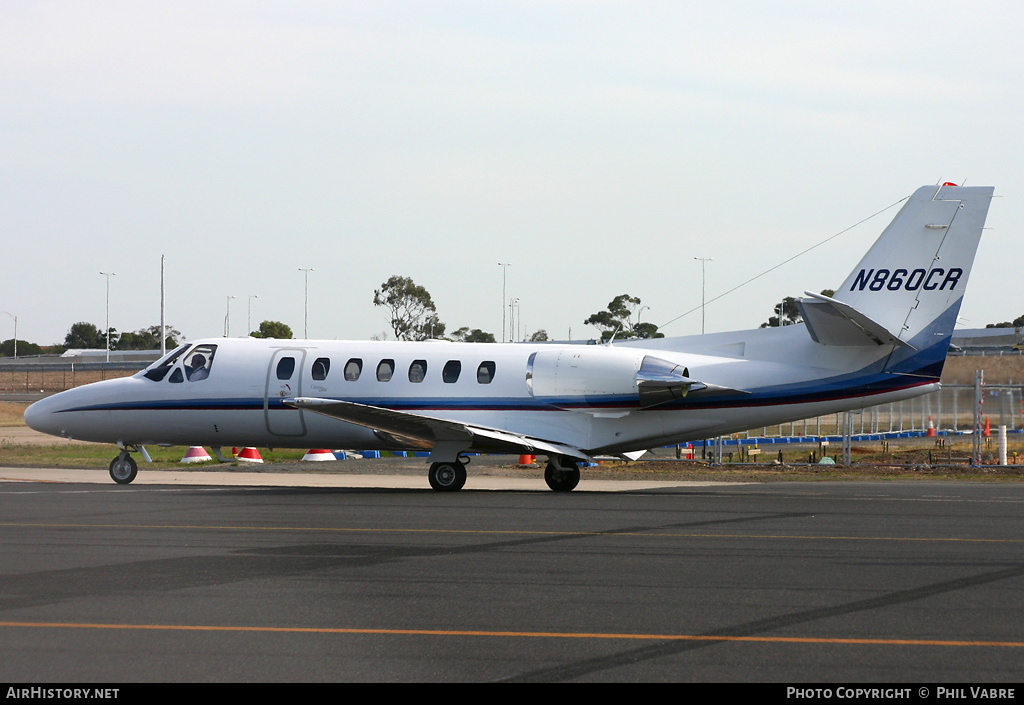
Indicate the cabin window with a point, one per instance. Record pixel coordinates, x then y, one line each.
321 366
451 371
385 369
198 362
176 376
485 372
417 370
353 368
285 367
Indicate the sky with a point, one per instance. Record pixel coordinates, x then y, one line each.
596 147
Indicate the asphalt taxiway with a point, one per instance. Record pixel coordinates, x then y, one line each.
234 580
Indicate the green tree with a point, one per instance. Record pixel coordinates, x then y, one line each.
465 335
539 336
787 313
412 311
272 329
24 348
1017 322
617 320
86 336
147 339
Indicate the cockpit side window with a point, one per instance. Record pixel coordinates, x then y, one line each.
198 362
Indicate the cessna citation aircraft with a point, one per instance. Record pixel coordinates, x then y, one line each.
883 337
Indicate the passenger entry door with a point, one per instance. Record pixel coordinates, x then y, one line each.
284 381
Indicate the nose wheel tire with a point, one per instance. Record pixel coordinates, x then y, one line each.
123 469
447 477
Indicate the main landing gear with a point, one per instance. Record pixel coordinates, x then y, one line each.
448 477
562 474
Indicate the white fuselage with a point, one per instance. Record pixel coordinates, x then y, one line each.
583 396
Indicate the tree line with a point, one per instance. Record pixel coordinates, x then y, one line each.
412 315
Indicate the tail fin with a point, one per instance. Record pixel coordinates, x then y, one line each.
907 289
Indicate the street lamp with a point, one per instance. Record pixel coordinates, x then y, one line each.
227 318
249 320
15 333
703 261
504 268
513 305
108 275
305 319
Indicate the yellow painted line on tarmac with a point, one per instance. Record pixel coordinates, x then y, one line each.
653 533
514 634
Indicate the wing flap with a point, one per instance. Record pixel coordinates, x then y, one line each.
428 429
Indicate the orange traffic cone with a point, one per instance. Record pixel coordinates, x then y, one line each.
988 430
931 427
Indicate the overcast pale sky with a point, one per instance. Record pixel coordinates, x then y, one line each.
597 146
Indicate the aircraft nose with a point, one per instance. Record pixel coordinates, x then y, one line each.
40 417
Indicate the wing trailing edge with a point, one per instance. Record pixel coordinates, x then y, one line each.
422 430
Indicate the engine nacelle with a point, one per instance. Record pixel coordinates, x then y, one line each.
603 376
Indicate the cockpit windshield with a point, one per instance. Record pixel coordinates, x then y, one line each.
191 363
159 369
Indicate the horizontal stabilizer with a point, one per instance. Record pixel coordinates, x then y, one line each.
431 430
832 322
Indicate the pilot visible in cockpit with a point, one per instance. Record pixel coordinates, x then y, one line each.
199 370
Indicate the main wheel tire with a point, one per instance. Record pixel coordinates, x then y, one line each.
447 477
562 479
123 469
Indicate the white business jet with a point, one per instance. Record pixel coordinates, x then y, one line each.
883 337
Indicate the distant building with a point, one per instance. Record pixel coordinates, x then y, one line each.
986 337
85 355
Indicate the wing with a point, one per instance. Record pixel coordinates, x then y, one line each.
425 431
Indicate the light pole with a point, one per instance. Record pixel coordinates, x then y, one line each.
108 275
504 268
15 333
249 320
227 318
513 305
638 316
305 319
703 261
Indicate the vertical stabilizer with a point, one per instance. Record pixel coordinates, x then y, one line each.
913 278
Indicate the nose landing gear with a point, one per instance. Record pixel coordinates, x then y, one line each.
123 468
